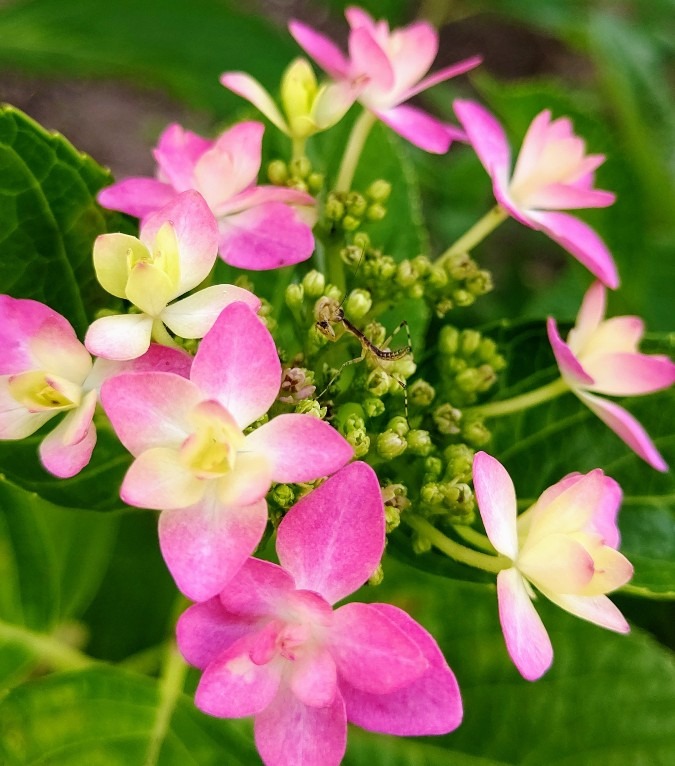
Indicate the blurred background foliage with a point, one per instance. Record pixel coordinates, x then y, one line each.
110 77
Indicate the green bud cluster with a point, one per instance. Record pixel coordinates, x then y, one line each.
468 364
457 283
348 210
395 499
296 174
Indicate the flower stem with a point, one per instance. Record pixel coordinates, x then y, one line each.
474 537
48 649
455 550
298 148
523 402
355 144
476 233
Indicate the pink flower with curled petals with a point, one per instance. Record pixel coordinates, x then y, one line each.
194 462
601 355
272 646
390 67
46 371
552 173
565 545
257 226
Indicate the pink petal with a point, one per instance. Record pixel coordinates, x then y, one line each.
556 563
156 359
263 237
590 315
158 479
626 427
526 638
617 335
67 449
196 233
581 241
418 127
596 609
237 364
488 139
300 447
247 87
368 58
16 422
372 653
429 705
332 540
314 679
569 366
257 589
259 195
323 50
568 197
136 196
357 17
177 153
194 316
248 482
206 630
537 136
204 546
630 374
288 732
603 521
496 499
447 73
232 686
120 337
150 409
412 51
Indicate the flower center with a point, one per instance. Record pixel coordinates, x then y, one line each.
39 392
211 449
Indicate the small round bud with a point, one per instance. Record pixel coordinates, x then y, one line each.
314 283
283 495
356 204
377 576
405 274
447 419
443 307
433 467
398 425
395 496
386 267
375 332
362 240
487 349
469 342
300 167
373 407
448 341
298 184
421 393
311 407
432 494
379 190
378 382
463 298
334 208
392 518
376 212
350 223
421 544
419 442
475 432
315 182
360 441
468 380
358 304
277 172
438 279
460 462
480 284
390 445
295 295
460 266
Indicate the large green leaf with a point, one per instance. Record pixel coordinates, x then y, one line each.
105 717
49 219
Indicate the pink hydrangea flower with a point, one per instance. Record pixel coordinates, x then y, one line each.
601 356
552 173
565 545
258 227
272 646
46 371
175 253
392 64
193 460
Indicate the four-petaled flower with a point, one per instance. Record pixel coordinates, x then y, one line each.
45 371
565 545
601 356
193 460
258 227
388 66
552 173
272 646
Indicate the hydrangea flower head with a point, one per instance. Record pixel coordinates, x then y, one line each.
194 462
272 646
257 226
552 173
389 67
601 356
565 545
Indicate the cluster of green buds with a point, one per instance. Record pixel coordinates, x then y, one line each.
296 174
445 493
348 210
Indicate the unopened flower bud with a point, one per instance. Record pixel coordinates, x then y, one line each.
356 204
447 419
359 440
437 277
373 407
297 383
392 518
375 332
475 432
377 576
460 267
395 496
421 544
469 380
419 442
298 184
377 382
463 298
469 342
398 425
432 494
300 167
314 283
350 223
277 172
405 274
333 292
335 208
480 284
460 461
315 182
311 407
390 445
379 190
386 267
295 295
298 91
448 340
421 393
443 306
283 495
376 212
358 304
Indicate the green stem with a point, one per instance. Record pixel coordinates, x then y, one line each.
55 653
161 335
298 148
171 686
474 537
476 233
522 402
456 551
355 144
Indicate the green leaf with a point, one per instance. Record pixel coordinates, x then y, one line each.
49 219
105 717
181 47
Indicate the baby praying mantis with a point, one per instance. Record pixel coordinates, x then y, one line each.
330 313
